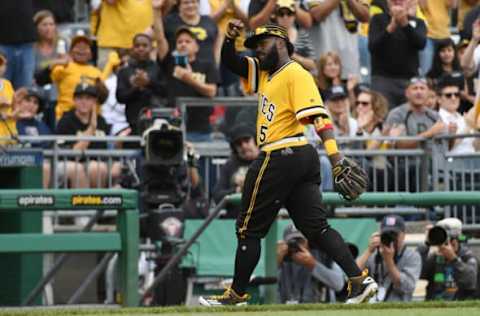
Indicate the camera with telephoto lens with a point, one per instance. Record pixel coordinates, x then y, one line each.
388 237
293 246
437 236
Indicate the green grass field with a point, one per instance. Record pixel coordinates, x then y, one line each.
471 308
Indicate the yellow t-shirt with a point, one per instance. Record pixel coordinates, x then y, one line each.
438 19
66 78
8 126
118 23
223 22
284 98
463 9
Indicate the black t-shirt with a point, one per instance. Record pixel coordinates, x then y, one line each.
70 124
197 117
256 6
206 31
16 22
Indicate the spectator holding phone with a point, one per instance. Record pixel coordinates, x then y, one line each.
187 76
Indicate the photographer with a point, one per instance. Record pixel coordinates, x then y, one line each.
450 267
305 275
395 267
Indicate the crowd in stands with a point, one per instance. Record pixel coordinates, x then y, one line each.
383 67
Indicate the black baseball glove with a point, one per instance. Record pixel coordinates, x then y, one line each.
349 179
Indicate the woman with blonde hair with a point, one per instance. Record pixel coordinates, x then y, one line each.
49 45
329 74
370 110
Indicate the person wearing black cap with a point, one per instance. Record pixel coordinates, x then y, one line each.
232 174
395 267
28 107
338 106
83 120
305 275
187 76
287 171
29 103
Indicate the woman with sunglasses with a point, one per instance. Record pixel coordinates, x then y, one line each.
370 110
449 101
285 15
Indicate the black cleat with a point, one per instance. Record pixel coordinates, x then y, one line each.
361 289
229 297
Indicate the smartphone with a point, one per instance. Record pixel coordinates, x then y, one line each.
180 60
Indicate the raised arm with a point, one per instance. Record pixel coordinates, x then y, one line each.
158 31
230 58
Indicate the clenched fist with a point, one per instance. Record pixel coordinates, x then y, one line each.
234 28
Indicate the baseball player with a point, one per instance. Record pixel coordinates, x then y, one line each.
287 172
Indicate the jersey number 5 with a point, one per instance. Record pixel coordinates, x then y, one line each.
263 133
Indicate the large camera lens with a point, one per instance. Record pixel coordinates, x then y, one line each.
386 238
437 236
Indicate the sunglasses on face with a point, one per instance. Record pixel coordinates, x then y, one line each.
416 80
362 103
451 95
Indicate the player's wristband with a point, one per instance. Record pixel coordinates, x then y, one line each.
322 123
330 147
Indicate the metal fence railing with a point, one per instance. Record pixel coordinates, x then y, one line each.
429 167
458 172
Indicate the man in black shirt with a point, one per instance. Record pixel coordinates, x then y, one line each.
187 76
244 151
139 83
394 39
83 120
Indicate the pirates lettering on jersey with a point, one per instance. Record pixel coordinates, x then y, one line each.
288 98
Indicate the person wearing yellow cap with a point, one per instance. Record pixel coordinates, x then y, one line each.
285 15
287 171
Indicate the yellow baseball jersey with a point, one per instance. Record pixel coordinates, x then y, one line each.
66 78
285 98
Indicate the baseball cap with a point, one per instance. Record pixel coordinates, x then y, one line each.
240 131
80 38
451 79
37 93
185 29
86 88
452 225
392 223
336 92
290 232
268 30
286 4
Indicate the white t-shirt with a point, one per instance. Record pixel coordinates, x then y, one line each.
331 35
466 144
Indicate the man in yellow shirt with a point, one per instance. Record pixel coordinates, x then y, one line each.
287 171
7 122
75 69
117 21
